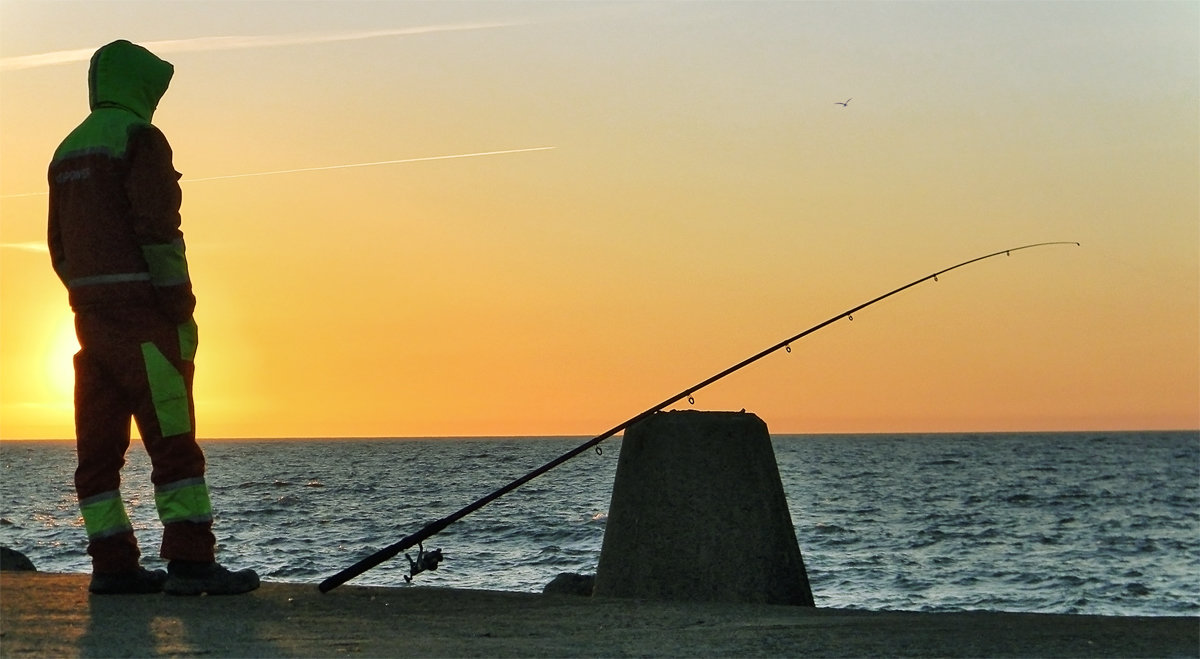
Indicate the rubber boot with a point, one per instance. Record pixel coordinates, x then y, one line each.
133 582
191 578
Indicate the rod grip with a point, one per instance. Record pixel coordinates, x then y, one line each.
362 566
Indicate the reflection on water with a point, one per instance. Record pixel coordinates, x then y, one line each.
1081 523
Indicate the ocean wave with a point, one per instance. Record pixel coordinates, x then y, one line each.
1040 523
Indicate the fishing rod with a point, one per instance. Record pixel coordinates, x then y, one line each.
428 561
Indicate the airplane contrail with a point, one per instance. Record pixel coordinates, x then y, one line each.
21 62
326 167
27 247
370 164
41 247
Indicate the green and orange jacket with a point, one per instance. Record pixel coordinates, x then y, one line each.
114 220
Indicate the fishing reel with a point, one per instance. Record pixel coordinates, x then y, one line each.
425 561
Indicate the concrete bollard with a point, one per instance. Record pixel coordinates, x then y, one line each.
698 514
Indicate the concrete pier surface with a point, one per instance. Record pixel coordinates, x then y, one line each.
52 615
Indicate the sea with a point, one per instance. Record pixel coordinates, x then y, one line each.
1101 523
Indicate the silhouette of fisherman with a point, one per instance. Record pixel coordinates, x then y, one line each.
115 243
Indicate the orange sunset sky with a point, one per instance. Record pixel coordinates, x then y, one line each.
700 197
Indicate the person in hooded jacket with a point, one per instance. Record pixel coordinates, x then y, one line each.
115 243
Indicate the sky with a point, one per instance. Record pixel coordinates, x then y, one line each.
518 218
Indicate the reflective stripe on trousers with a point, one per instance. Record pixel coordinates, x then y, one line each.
167 386
104 515
183 501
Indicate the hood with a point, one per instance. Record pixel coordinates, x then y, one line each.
129 76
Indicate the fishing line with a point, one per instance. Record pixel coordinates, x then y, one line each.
433 528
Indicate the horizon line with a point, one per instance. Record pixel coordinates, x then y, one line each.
585 437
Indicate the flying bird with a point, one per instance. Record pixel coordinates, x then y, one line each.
845 103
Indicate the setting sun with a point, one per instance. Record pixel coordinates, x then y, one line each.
60 358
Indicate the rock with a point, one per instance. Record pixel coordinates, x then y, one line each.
568 583
14 561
